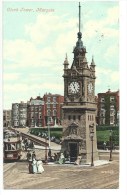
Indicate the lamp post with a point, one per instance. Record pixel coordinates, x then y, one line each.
46 151
49 130
110 139
91 127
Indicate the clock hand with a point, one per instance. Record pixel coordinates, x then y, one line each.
74 87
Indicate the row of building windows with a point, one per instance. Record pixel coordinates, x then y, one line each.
40 107
112 120
112 98
74 117
36 108
49 99
49 112
103 112
49 105
90 118
19 116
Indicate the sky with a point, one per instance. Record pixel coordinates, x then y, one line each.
35 44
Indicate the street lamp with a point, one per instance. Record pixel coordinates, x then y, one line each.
49 122
110 139
46 151
91 127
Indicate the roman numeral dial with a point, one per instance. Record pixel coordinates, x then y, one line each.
74 87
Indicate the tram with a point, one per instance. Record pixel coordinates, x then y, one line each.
12 146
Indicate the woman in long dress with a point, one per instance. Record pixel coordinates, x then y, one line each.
40 166
61 159
30 167
34 164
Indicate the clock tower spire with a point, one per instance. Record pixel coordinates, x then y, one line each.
79 50
79 109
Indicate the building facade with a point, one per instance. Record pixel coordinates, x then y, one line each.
6 118
36 112
19 114
53 111
108 108
79 109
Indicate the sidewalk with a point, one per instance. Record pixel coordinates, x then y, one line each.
96 163
107 151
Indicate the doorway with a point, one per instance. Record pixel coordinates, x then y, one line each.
73 147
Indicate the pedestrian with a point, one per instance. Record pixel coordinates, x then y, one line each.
77 162
34 164
30 167
40 168
33 155
104 144
32 144
55 157
26 146
58 156
49 153
61 159
28 143
28 156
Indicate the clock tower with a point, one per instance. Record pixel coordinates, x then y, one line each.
79 109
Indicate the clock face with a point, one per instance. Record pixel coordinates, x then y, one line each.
90 87
74 87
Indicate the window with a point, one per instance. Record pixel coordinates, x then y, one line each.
69 117
40 125
102 121
32 108
54 105
79 117
102 105
112 112
49 120
36 115
111 106
16 112
6 146
36 109
9 146
54 99
40 108
111 120
54 112
48 99
13 147
102 99
48 112
32 115
74 117
102 112
112 98
48 105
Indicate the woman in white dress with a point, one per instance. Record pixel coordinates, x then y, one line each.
34 164
40 168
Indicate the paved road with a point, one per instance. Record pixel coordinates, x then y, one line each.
16 176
